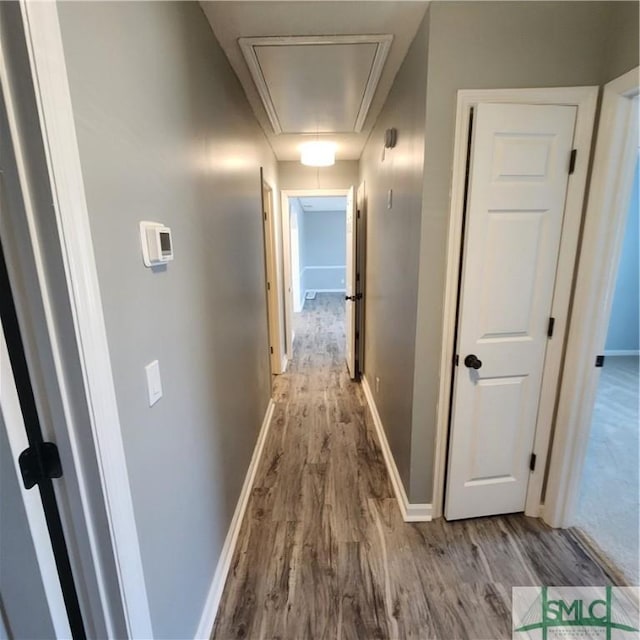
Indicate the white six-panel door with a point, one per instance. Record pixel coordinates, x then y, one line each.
518 177
350 284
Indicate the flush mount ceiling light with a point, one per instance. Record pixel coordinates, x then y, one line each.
318 154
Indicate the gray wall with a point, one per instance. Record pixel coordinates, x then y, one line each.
342 175
623 45
393 244
625 320
485 45
162 124
325 243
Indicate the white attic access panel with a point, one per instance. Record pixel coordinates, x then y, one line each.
316 84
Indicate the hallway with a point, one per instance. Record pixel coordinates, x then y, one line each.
323 551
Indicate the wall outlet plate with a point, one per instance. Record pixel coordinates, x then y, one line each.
154 383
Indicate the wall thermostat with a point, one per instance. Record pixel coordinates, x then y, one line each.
157 244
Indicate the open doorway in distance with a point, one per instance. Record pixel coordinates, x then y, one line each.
608 506
318 247
318 263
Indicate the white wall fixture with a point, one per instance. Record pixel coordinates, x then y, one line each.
154 383
390 138
157 243
318 154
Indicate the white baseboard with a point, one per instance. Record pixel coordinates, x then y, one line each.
411 512
622 352
208 618
314 291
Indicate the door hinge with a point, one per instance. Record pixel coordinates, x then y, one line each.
456 360
265 215
38 463
572 161
552 323
270 349
268 286
599 361
532 462
358 212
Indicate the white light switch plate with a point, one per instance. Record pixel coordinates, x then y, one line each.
154 384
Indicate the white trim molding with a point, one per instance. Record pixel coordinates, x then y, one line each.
210 611
585 99
276 313
604 225
411 512
249 46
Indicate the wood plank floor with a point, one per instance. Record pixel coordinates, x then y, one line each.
323 551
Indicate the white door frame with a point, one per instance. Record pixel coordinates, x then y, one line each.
275 319
585 99
73 244
604 226
286 252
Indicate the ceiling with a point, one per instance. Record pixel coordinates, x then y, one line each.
323 203
336 77
309 88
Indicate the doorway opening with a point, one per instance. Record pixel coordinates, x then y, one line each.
612 178
318 249
324 270
317 227
608 503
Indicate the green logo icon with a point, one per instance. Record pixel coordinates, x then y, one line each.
570 611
